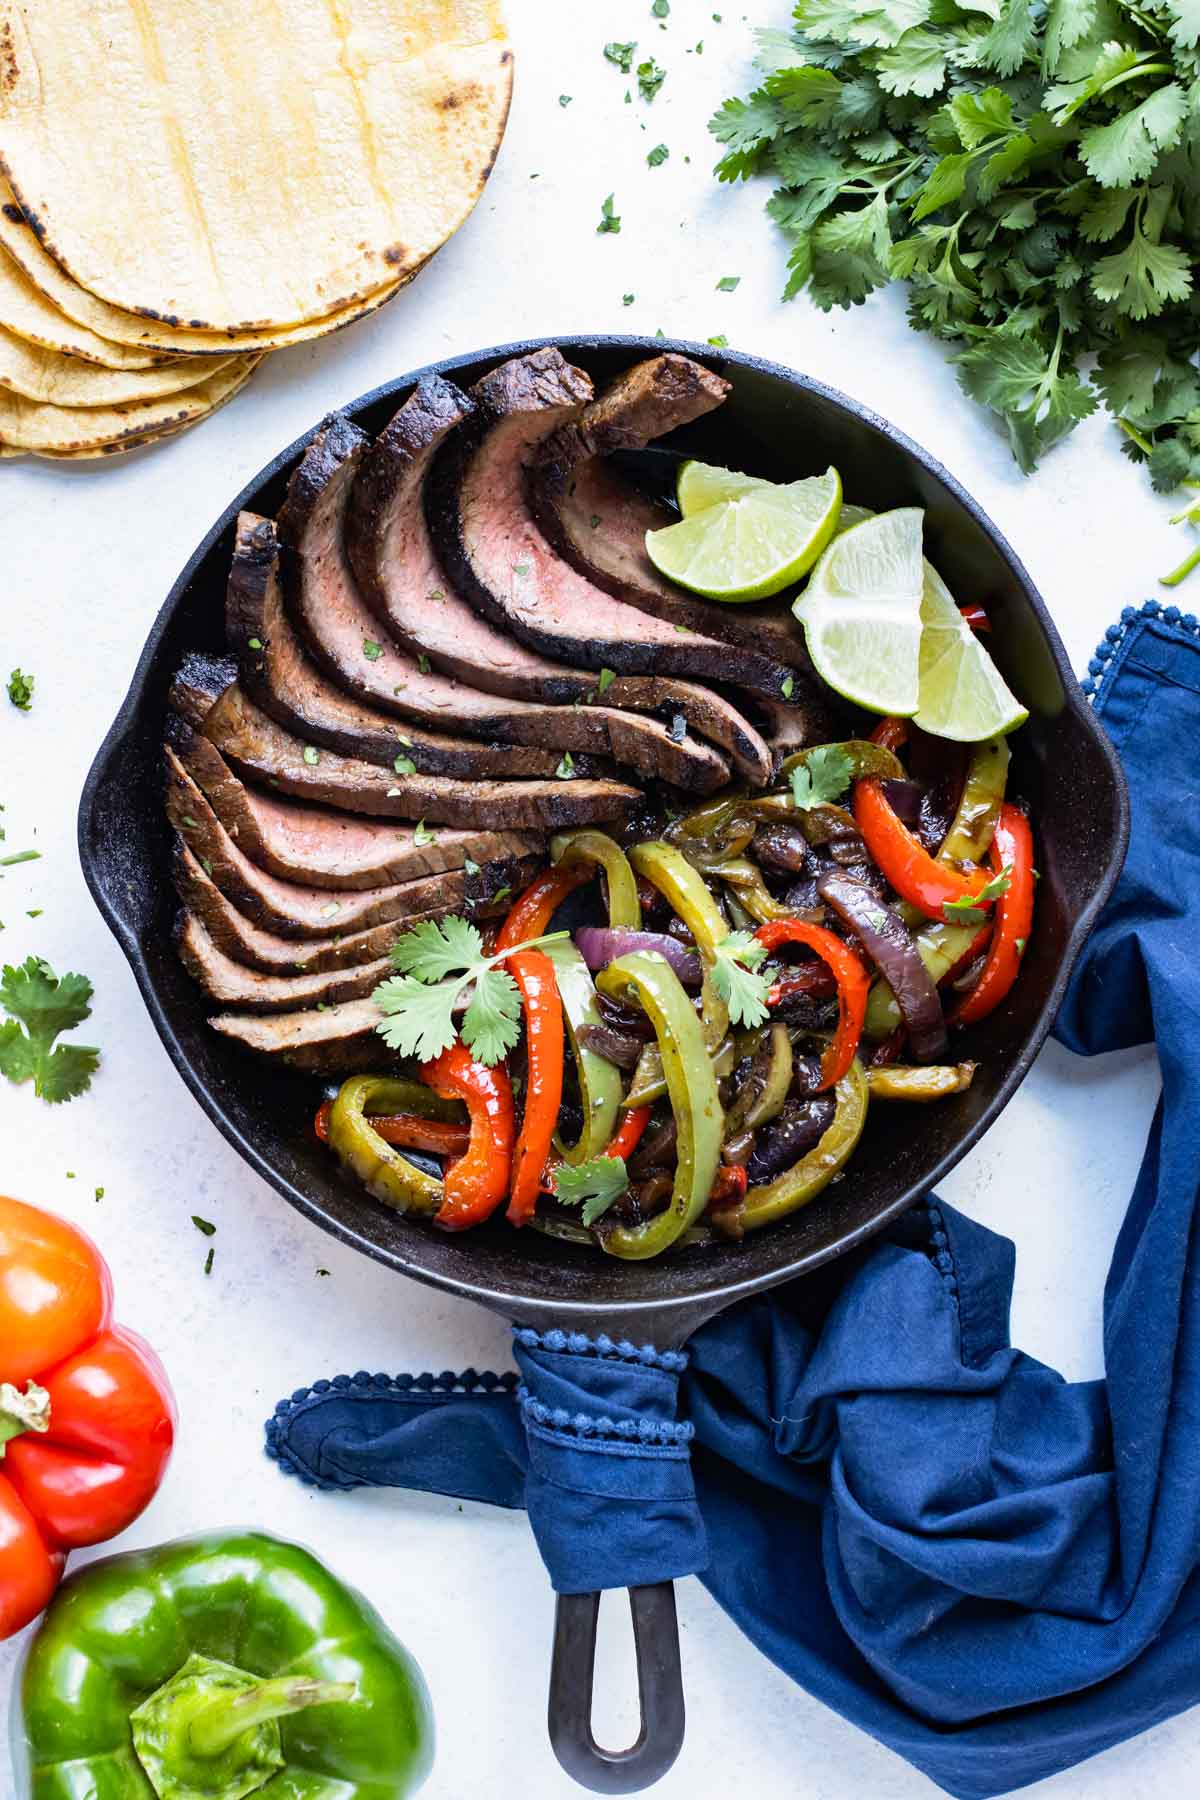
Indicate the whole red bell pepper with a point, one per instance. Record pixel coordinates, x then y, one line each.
87 1418
853 986
475 1185
1011 852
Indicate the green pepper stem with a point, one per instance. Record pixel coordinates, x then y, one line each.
220 1723
21 1412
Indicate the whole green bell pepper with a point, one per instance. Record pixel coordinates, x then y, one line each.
214 1668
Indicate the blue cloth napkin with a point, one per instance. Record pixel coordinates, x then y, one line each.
990 1569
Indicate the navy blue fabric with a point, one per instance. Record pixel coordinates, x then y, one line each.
992 1570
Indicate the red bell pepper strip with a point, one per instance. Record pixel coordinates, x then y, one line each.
904 860
853 984
975 617
406 1130
533 973
532 911
87 1418
629 1132
477 1183
1012 850
891 734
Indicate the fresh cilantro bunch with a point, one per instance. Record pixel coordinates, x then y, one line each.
438 960
1030 167
41 1006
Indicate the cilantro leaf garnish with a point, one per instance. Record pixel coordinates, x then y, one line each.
621 55
822 779
41 1007
735 977
20 690
650 77
609 220
437 961
968 910
594 1185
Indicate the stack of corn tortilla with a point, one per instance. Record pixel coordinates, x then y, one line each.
184 189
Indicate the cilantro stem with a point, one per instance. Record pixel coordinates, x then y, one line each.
1183 571
1134 74
1131 431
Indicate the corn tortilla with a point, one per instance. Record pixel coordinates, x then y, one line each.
30 315
28 425
276 164
57 380
119 328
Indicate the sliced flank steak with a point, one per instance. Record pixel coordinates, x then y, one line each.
229 984
246 943
358 651
262 751
280 677
292 911
496 555
319 847
329 1042
598 520
398 571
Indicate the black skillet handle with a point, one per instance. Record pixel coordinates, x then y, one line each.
660 1692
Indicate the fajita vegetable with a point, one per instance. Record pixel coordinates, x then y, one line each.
717 1079
87 1418
215 1668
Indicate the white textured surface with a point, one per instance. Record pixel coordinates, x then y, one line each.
88 555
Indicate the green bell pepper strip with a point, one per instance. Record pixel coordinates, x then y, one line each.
599 1080
597 848
746 880
145 1664
863 757
386 1175
764 1093
648 981
805 1179
668 870
970 835
939 946
650 1083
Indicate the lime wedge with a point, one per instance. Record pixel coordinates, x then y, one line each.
700 485
861 612
962 693
753 544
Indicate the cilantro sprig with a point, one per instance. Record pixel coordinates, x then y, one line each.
594 1185
734 975
822 779
438 960
968 910
41 1006
1028 170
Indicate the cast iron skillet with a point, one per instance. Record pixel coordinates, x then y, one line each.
775 423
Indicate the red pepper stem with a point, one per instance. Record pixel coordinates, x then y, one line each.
218 1725
22 1412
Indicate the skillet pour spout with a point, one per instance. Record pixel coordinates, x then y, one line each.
1063 765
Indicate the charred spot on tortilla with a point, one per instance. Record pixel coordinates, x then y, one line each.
395 253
